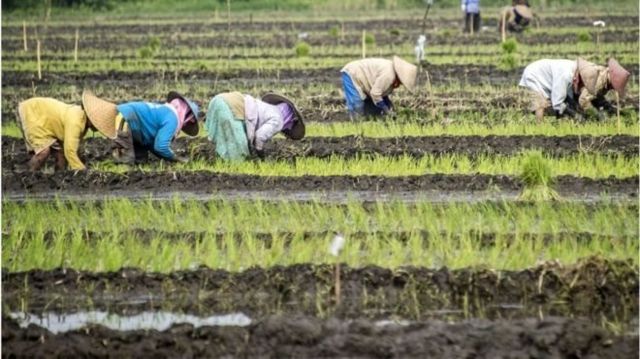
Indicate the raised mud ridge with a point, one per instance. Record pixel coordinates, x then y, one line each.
202 182
14 154
593 288
308 337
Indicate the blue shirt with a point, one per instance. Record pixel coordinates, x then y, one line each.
152 126
473 6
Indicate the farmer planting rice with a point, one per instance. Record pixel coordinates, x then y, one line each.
241 124
515 18
53 127
368 83
143 126
571 87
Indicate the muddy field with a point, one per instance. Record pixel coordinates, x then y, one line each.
284 336
592 288
15 156
204 182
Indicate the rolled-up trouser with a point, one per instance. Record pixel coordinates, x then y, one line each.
227 132
355 104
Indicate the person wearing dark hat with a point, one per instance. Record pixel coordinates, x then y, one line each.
571 87
515 18
368 83
240 124
51 127
143 126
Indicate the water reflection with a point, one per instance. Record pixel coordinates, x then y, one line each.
63 322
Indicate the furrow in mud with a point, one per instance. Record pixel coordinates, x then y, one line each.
15 156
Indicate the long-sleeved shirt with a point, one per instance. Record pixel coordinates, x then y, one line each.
153 126
47 120
263 121
373 77
551 78
471 6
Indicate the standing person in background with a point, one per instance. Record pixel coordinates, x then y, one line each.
139 127
367 84
52 127
471 9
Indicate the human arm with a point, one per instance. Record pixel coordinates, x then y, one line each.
73 133
164 136
381 86
272 124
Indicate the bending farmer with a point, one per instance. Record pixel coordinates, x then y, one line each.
570 87
50 127
240 124
144 126
367 84
515 18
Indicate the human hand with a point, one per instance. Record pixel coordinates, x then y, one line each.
463 7
260 154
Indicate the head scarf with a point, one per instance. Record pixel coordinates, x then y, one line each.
287 115
183 111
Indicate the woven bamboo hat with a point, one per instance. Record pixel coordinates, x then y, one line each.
406 72
618 76
523 11
594 77
297 131
102 114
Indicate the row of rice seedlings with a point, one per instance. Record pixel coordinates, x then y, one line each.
319 51
461 126
112 253
582 165
260 216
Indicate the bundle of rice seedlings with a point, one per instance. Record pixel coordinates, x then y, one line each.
537 178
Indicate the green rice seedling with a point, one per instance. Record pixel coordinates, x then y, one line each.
584 36
302 49
369 39
537 178
510 46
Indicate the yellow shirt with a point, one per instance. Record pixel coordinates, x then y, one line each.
46 120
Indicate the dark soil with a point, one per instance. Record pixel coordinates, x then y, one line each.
592 288
309 337
383 37
208 182
15 156
199 26
439 74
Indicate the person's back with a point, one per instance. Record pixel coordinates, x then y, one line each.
369 74
50 118
541 75
153 120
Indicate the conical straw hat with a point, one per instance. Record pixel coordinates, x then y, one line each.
101 113
297 131
618 76
593 76
406 72
523 11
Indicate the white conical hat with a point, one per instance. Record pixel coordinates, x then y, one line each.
406 72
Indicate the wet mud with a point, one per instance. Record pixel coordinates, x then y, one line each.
200 26
69 182
309 337
439 74
15 156
287 40
593 287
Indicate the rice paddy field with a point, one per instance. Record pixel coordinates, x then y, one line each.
470 229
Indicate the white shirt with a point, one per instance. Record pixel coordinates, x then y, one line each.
551 78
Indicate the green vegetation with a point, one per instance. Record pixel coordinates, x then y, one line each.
454 230
303 49
537 178
583 165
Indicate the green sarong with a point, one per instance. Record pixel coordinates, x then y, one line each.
227 132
